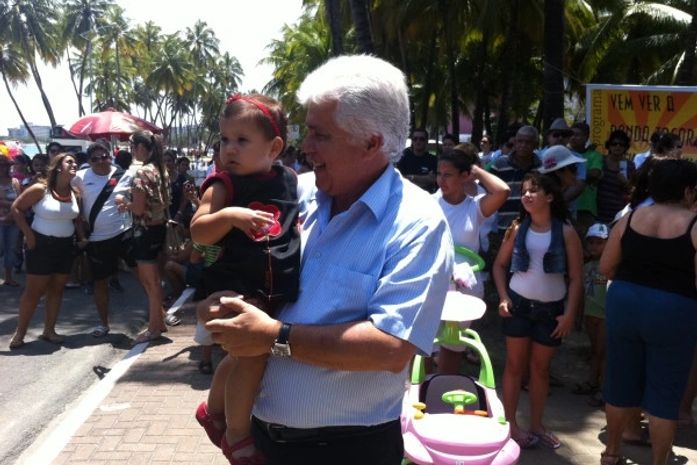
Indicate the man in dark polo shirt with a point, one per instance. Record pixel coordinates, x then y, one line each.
512 169
417 164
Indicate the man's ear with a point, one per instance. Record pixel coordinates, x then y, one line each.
374 144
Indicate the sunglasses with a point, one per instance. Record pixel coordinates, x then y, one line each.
418 138
556 134
616 143
97 158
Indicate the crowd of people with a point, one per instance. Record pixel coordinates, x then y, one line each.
327 336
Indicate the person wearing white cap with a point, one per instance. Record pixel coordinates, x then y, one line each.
564 164
595 287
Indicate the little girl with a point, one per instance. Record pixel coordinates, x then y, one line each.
537 306
595 286
250 208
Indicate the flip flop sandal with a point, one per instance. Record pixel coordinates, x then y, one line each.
100 331
609 459
207 421
147 336
528 441
52 338
547 439
172 320
16 342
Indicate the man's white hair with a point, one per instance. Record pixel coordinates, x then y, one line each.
371 96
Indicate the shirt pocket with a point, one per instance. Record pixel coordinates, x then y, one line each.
345 294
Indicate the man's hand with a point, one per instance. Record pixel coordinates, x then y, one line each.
250 333
210 308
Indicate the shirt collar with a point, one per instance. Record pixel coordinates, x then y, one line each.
376 198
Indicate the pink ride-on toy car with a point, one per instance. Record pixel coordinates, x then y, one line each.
456 419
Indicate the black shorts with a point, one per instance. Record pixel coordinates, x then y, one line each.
533 319
104 255
50 255
148 242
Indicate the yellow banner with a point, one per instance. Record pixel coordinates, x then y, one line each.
640 111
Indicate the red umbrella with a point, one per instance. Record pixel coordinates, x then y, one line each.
110 123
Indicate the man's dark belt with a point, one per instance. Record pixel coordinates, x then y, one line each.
283 434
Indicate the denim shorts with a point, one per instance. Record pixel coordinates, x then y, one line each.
533 319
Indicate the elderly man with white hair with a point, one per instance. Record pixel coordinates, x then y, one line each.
377 259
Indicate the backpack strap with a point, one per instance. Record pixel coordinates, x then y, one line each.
104 194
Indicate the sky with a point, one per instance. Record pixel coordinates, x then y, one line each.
244 28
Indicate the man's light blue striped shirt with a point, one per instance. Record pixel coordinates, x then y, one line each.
387 259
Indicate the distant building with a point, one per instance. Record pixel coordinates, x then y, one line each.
20 132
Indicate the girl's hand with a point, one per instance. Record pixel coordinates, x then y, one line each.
250 221
505 307
564 325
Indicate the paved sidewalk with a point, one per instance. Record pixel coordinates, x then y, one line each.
148 418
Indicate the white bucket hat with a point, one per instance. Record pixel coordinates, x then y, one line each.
556 158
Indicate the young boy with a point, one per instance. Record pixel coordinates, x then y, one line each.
594 312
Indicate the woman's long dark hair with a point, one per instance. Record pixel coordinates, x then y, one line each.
154 145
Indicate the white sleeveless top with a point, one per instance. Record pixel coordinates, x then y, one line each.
535 284
53 217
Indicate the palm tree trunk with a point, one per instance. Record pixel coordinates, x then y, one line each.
688 64
85 62
427 89
19 112
450 55
361 21
333 11
553 86
44 97
508 59
481 93
72 81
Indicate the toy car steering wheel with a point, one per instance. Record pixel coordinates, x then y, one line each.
458 399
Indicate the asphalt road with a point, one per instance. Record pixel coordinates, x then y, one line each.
40 380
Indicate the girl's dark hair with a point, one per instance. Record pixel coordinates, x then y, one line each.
181 160
666 142
550 185
462 157
669 177
54 168
242 108
154 145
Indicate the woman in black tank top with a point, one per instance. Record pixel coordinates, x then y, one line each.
651 309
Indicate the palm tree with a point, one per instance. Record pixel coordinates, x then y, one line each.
553 104
361 22
333 11
80 21
302 48
203 43
14 70
172 74
686 76
31 26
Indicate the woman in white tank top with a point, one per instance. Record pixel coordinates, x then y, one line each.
49 243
